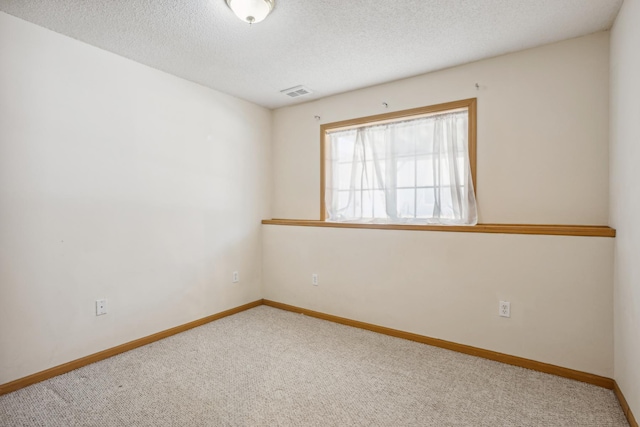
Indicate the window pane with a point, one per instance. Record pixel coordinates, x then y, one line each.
367 204
406 203
380 181
379 205
343 202
344 147
446 204
461 168
443 171
344 176
425 202
358 171
424 171
368 179
405 172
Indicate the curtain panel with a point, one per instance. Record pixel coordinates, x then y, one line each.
415 171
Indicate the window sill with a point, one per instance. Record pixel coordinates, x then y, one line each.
549 230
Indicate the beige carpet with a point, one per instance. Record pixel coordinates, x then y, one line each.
267 367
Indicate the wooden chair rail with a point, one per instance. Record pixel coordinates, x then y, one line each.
542 229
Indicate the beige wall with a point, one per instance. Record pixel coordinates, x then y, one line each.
121 182
448 285
542 133
118 181
625 197
542 158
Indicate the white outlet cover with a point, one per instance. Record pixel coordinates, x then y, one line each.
314 279
236 277
504 309
101 307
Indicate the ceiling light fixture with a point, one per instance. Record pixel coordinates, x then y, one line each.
251 11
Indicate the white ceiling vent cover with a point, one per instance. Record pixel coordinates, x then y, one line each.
297 91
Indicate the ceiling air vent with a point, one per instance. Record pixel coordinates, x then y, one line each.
297 91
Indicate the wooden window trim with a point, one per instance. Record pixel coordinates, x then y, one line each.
469 104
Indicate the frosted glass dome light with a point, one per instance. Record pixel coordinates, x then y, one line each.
251 11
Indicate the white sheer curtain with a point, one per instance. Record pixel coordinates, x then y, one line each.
415 171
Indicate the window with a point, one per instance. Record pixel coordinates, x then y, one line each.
414 166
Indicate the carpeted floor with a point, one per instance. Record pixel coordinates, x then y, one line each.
267 367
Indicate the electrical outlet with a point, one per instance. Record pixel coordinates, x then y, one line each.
504 309
236 277
314 279
101 307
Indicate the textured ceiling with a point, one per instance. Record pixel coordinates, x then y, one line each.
330 46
